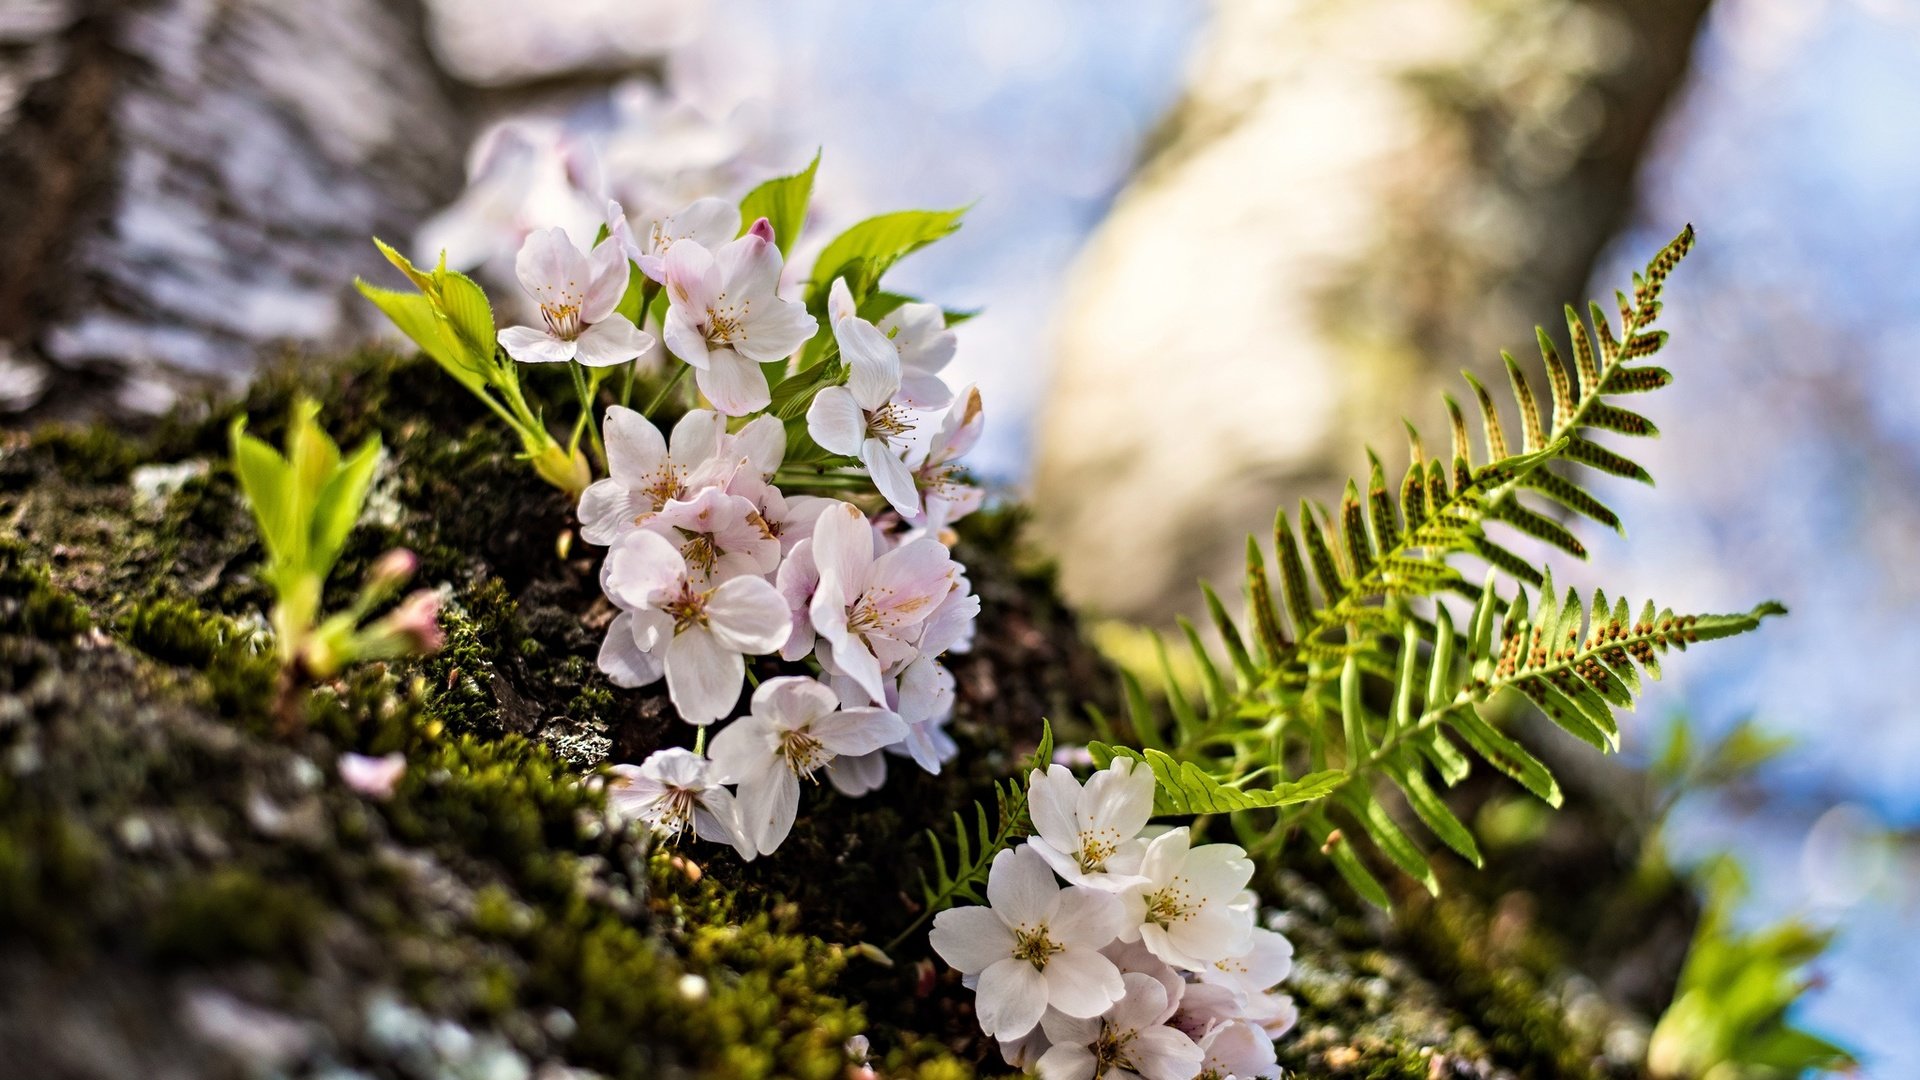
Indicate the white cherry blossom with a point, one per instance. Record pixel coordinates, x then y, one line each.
708 221
671 623
1034 946
725 316
1130 1042
870 610
796 726
577 293
862 419
1090 834
1188 910
673 791
919 334
1262 965
647 472
720 536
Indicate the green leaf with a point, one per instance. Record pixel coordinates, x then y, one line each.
470 316
1184 788
783 202
869 249
413 313
337 507
267 482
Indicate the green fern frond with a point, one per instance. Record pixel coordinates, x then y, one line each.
1352 609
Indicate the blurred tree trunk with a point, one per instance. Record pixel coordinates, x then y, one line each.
183 182
1353 201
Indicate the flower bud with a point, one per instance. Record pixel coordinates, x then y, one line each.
392 570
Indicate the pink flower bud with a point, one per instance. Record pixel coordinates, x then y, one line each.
392 570
762 229
418 620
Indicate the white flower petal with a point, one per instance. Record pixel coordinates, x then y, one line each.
1081 982
734 384
891 476
622 658
836 422
1021 888
1011 998
970 938
530 346
747 615
703 676
612 341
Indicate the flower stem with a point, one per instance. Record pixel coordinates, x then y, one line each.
586 411
660 398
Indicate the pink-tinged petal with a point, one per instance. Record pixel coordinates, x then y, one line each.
609 271
1161 1053
1066 1061
843 550
530 346
654 266
793 701
891 476
1021 888
796 582
764 441
1267 961
959 429
703 676
635 449
859 731
836 422
922 390
551 268
950 623
840 303
910 581
685 339
762 229
622 658
640 566
970 939
747 615
873 368
749 267
1011 998
768 804
693 280
1086 917
734 384
607 509
613 341
1082 983
861 774
620 230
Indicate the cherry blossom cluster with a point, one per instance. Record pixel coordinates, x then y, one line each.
710 561
1110 950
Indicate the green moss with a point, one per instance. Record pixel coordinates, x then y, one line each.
29 602
234 912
